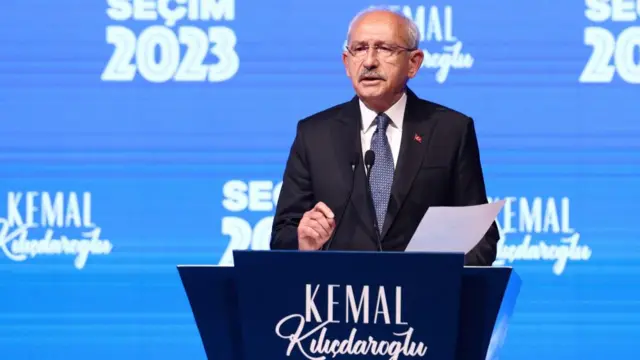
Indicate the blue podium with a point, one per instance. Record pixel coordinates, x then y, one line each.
350 305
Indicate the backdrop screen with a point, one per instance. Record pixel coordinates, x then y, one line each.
139 135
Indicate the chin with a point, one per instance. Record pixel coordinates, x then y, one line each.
370 92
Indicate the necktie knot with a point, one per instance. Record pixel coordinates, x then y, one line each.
382 121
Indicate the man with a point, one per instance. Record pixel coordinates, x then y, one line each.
425 154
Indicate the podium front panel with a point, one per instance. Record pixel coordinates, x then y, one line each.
310 305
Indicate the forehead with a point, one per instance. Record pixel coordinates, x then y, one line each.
377 28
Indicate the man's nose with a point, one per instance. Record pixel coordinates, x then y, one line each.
371 59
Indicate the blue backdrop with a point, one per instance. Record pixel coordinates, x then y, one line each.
138 135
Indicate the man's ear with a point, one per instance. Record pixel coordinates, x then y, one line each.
415 62
345 61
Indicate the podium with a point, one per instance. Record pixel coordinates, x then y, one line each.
350 305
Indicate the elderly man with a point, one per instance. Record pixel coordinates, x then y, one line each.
362 174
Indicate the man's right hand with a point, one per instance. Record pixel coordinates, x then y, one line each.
316 227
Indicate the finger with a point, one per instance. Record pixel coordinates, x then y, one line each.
321 221
323 208
306 240
311 234
327 224
319 229
317 215
316 239
308 217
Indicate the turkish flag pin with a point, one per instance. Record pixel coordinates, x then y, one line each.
417 138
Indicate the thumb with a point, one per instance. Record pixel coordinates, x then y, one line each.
324 209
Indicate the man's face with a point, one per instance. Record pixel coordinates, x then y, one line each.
377 60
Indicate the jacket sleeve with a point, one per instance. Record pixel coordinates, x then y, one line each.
469 189
296 196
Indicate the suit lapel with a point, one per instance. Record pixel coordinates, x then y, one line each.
347 144
416 134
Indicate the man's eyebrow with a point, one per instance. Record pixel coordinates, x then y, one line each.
376 42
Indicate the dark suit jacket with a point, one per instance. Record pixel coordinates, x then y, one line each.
442 168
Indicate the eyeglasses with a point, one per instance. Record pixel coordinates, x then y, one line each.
383 50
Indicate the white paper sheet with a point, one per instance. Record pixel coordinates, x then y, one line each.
453 229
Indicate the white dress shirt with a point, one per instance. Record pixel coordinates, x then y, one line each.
394 130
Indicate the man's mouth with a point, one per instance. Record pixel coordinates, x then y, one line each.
370 79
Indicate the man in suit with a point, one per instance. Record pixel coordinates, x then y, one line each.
425 154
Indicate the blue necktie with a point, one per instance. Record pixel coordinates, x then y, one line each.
381 177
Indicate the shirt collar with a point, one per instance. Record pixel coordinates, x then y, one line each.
395 113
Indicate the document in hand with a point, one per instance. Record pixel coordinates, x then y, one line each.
453 228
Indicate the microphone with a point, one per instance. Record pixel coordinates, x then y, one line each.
369 159
354 165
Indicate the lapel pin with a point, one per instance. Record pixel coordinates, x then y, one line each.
417 138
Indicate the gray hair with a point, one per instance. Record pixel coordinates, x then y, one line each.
413 34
